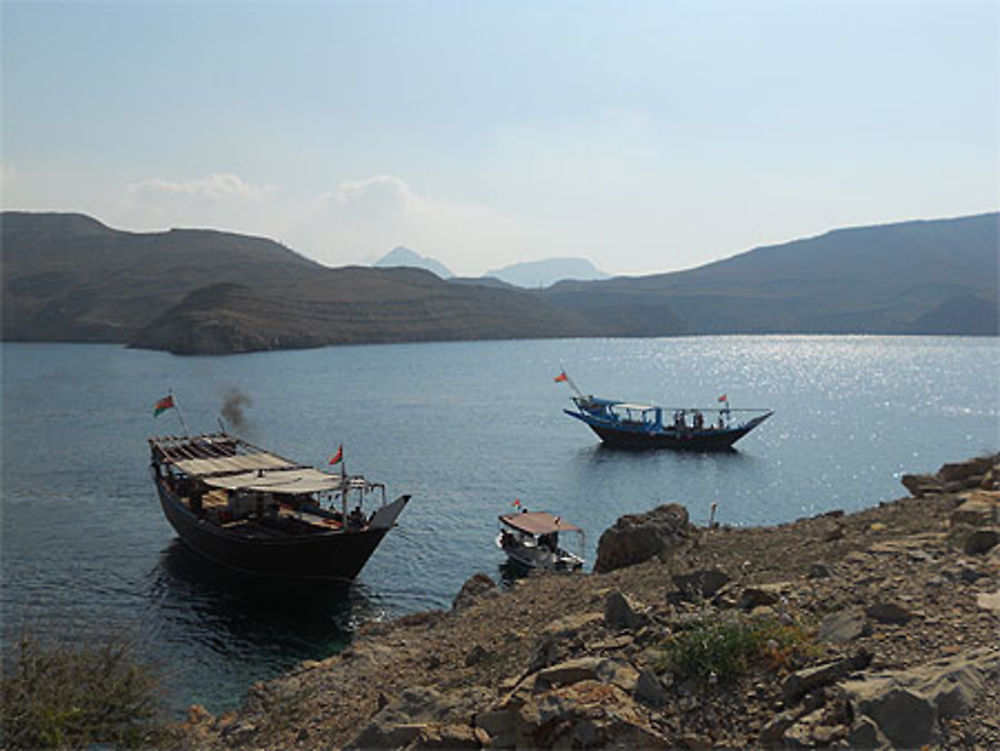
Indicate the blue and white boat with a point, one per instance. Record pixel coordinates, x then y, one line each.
638 426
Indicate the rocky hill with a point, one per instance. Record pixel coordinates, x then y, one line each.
876 629
67 277
920 277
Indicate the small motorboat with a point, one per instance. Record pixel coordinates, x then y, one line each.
531 540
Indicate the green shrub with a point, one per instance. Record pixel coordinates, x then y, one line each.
56 696
722 649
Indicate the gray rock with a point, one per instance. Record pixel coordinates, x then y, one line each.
989 601
477 586
888 612
981 541
618 673
701 584
621 613
570 671
772 735
865 735
960 471
921 485
819 571
843 626
649 689
638 537
906 704
762 596
976 509
802 682
476 655
906 718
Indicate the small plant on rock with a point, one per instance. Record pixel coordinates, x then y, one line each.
719 650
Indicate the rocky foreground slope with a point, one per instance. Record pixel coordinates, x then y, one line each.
867 630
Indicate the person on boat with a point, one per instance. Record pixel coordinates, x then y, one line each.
356 519
699 420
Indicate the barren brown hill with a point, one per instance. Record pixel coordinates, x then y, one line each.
67 277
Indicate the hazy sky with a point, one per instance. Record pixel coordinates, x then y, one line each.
645 136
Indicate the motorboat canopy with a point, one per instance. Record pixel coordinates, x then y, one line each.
537 523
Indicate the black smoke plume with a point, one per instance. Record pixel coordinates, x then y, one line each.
232 408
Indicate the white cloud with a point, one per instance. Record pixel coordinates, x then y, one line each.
7 176
215 187
220 201
363 219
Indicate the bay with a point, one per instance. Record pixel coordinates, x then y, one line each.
466 428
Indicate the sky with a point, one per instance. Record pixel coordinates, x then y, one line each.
643 136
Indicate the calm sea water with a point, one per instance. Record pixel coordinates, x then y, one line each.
466 428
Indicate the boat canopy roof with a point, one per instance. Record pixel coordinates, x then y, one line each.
632 406
292 481
224 461
537 523
259 460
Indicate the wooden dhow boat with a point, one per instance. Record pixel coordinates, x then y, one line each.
639 426
253 511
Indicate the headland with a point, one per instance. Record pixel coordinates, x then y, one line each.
873 629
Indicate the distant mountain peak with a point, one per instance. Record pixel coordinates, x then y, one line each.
401 256
548 271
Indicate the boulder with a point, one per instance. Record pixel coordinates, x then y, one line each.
570 671
649 689
801 682
702 584
906 704
921 485
621 613
476 655
843 626
475 587
586 714
761 595
888 612
865 734
907 718
977 508
635 538
961 471
981 541
989 601
424 717
819 571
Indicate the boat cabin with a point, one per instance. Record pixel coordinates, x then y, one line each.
532 539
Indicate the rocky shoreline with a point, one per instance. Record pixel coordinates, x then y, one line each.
874 629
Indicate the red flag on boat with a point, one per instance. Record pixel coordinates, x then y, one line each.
561 377
516 503
339 456
723 398
163 405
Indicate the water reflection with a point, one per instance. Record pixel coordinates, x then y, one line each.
238 615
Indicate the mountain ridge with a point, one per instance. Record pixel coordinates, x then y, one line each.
69 277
